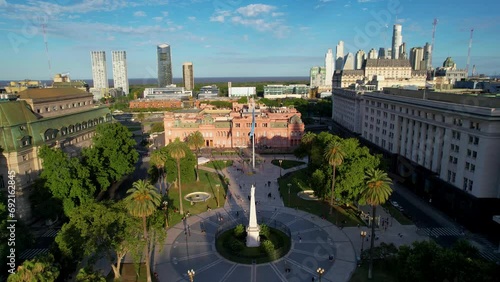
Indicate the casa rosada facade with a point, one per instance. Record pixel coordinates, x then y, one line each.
275 127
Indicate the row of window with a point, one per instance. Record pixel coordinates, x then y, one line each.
63 107
249 124
468 184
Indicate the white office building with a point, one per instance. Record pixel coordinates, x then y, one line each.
120 77
242 91
360 58
329 67
454 136
99 73
397 41
339 56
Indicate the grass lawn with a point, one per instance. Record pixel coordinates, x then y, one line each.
129 274
299 181
382 272
286 164
207 184
399 216
219 164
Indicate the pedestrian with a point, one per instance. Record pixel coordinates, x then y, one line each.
237 213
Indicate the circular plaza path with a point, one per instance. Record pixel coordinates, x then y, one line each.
314 240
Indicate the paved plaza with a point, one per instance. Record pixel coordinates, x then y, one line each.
191 244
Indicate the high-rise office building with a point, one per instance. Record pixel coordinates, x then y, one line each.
329 67
416 58
339 56
397 40
99 73
120 78
402 51
349 62
382 53
317 76
427 56
359 59
373 54
164 65
188 76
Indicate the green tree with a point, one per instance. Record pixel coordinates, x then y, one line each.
157 127
376 193
142 201
318 181
66 178
89 275
158 159
305 146
196 141
177 152
335 156
112 154
41 269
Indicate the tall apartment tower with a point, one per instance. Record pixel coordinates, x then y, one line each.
349 62
120 77
99 73
329 67
164 65
382 53
188 76
397 40
402 51
359 59
427 56
417 58
373 54
339 56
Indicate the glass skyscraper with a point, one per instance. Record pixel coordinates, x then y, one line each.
164 65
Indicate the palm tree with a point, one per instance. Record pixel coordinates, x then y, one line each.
195 141
177 152
158 159
142 201
376 192
335 156
307 140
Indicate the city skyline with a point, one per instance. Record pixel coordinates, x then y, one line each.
268 37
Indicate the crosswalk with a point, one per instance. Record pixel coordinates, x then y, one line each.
31 253
441 232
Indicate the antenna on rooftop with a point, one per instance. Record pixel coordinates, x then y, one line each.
47 49
468 54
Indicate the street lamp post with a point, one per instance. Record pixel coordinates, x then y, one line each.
320 272
217 185
363 235
191 274
280 161
289 185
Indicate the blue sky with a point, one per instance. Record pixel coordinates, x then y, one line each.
234 37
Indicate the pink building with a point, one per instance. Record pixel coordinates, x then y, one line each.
275 127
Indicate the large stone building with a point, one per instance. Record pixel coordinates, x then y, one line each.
445 144
276 127
64 118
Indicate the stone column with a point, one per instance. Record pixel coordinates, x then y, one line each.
253 228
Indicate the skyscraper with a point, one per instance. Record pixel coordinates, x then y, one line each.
397 40
99 73
382 54
120 78
188 76
373 54
427 56
329 67
359 59
164 65
349 62
416 58
339 56
402 51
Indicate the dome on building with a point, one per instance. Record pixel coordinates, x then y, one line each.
449 63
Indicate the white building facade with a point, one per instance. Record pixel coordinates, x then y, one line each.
329 67
99 71
120 76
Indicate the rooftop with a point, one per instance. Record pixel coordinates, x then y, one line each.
51 93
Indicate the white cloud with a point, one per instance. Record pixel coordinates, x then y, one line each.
157 19
220 16
277 14
72 17
304 28
164 13
110 38
262 25
325 1
139 14
253 10
192 18
245 37
208 46
401 20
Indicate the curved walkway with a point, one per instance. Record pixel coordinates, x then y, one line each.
313 239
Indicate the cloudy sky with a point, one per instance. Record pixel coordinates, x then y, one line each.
233 37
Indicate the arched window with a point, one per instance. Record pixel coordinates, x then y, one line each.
50 134
78 127
64 130
84 125
71 128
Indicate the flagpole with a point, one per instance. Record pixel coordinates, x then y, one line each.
253 151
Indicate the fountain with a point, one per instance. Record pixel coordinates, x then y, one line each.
253 229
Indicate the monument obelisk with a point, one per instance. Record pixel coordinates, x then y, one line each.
253 228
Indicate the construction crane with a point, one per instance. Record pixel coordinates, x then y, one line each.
468 54
47 49
434 24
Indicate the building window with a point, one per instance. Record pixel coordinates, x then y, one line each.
264 125
472 167
474 154
237 125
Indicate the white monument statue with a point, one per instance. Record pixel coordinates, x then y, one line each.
253 228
